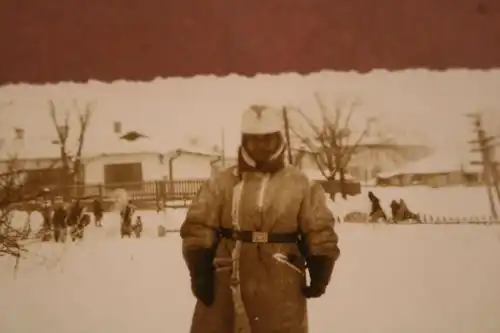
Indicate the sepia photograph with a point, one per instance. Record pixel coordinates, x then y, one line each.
328 202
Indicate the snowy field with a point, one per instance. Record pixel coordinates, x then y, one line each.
453 202
389 279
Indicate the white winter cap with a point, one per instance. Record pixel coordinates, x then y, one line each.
261 119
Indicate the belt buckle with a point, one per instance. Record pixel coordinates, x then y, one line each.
260 237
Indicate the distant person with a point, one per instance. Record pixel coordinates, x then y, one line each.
403 213
46 212
137 228
127 214
98 212
376 212
59 220
79 228
76 212
395 211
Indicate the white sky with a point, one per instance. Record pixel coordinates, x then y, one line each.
428 105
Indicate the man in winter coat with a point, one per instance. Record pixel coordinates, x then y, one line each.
377 212
46 211
127 214
98 212
249 234
76 212
59 220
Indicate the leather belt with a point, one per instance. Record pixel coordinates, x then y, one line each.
259 237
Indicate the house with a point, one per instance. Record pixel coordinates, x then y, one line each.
371 158
110 160
379 149
437 170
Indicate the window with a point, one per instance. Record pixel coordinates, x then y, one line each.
40 178
123 175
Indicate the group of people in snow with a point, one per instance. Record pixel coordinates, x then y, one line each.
253 233
62 220
399 210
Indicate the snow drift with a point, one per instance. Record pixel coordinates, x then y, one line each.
413 278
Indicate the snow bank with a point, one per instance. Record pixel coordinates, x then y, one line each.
390 279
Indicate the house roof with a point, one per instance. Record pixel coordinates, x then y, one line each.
112 144
440 162
315 174
44 147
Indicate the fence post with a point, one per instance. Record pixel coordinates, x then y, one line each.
163 189
157 195
171 189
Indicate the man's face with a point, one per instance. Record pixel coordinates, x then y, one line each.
261 147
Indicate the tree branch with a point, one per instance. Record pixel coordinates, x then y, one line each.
329 142
71 160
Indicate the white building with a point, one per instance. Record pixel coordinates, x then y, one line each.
108 159
437 170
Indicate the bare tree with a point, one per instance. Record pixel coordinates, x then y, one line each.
71 160
15 196
330 140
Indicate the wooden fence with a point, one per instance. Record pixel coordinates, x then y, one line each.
161 193
176 193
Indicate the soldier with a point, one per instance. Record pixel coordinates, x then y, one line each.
46 212
127 214
249 234
59 220
376 212
98 212
138 227
401 212
79 230
394 211
76 212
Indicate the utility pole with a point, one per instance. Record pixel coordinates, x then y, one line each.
485 147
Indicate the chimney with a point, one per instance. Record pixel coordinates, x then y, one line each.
19 133
117 127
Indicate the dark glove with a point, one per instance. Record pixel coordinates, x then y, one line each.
320 270
202 273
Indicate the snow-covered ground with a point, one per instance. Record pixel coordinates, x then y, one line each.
450 202
390 278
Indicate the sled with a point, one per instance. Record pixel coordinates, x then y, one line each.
77 233
46 236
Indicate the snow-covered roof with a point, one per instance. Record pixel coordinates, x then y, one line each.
436 163
44 148
315 174
197 150
112 144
